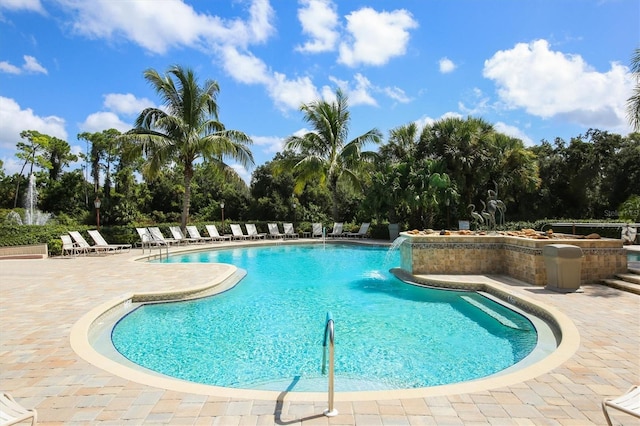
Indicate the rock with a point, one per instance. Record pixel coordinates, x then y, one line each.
593 237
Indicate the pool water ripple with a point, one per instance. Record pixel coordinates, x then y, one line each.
266 333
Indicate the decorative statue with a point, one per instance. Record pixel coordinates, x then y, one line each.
489 209
475 216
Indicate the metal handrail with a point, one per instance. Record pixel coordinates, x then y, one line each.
329 341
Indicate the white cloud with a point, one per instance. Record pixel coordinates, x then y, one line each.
375 37
360 91
244 68
269 144
126 103
291 94
479 103
286 93
14 119
9 68
514 132
553 84
259 26
99 121
30 65
319 20
446 65
428 121
397 94
154 28
358 94
29 5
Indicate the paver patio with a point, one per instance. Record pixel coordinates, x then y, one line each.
42 299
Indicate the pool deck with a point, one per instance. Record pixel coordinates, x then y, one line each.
41 300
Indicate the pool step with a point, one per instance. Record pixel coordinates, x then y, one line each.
629 281
632 278
493 314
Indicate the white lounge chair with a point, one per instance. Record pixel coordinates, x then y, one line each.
253 233
213 233
362 232
236 230
12 413
146 239
289 231
628 403
99 240
180 238
195 234
316 230
69 248
337 230
83 244
157 236
274 232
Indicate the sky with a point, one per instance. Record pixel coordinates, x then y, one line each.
536 69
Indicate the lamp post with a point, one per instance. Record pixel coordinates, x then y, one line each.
294 212
446 203
96 204
222 210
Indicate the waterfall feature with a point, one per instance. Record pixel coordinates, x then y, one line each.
395 246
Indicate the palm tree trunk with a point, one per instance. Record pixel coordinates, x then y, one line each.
186 198
333 187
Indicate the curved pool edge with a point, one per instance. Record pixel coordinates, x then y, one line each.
80 343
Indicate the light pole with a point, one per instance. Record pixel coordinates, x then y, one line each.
222 210
294 212
96 204
446 203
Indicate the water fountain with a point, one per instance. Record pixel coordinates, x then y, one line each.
32 216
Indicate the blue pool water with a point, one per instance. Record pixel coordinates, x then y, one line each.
267 332
633 257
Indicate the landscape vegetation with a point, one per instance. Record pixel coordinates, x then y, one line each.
172 167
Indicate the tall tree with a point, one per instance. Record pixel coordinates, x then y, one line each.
327 156
59 155
633 103
33 152
187 129
105 148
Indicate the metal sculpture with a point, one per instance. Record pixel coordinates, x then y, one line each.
477 218
494 206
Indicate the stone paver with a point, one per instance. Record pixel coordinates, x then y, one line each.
40 301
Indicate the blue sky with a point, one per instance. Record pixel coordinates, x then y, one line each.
536 69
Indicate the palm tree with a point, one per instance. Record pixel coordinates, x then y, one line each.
186 130
402 143
325 153
633 103
466 148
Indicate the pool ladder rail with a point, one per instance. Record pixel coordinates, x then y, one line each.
329 342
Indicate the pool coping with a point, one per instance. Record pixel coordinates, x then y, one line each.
497 286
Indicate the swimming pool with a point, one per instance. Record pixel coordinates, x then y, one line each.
266 333
633 257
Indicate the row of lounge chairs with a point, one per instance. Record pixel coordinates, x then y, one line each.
74 244
152 236
338 232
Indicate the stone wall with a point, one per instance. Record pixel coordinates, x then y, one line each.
517 257
33 251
